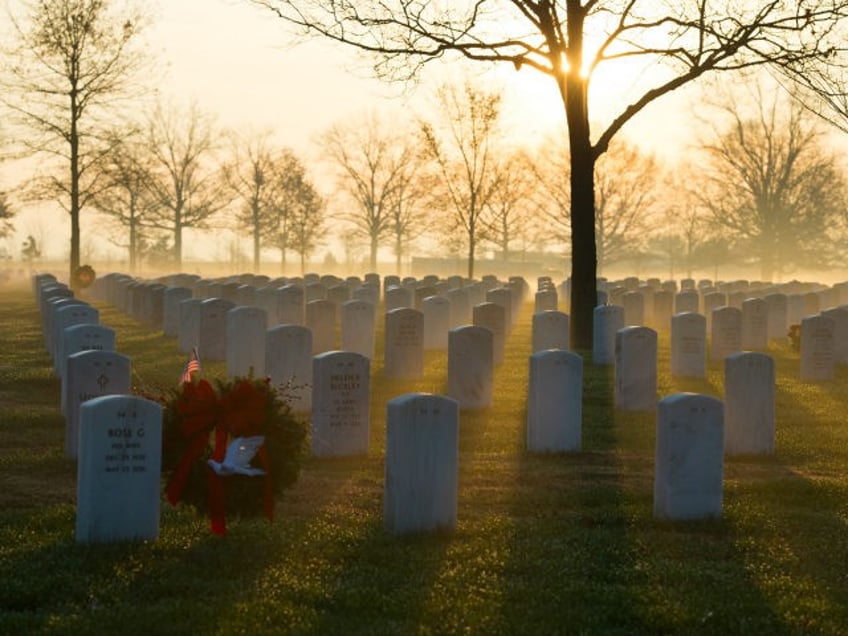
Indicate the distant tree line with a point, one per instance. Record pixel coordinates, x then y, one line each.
760 186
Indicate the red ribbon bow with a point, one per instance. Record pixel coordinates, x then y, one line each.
240 413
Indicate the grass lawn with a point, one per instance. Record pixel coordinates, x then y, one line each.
559 544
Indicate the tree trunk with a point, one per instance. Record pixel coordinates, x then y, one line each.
256 242
75 193
178 239
372 257
471 246
573 87
398 253
133 243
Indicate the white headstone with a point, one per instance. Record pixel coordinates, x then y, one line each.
246 327
321 320
686 300
839 315
607 320
754 324
189 310
460 312
357 318
436 310
778 324
91 374
470 366
749 398
66 316
398 298
340 404
550 331
554 402
288 364
688 465
634 308
492 316
85 337
726 334
422 463
119 470
689 345
635 369
817 346
291 305
546 300
171 300
404 344
504 297
212 328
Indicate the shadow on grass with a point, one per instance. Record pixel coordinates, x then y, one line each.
588 557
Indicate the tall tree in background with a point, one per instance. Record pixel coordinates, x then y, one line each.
7 213
461 146
626 185
408 216
187 184
774 186
73 62
286 226
571 41
306 221
372 157
626 182
251 176
125 193
510 205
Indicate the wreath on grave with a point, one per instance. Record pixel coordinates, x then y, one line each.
229 448
84 276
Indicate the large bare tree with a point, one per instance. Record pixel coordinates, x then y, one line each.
72 63
372 157
251 174
627 181
125 194
571 41
773 184
188 183
510 205
461 144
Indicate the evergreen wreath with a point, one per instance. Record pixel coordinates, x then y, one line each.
200 423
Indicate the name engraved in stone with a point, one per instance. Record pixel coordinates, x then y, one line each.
344 382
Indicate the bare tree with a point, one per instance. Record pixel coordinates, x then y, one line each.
626 185
408 216
252 176
773 185
306 221
570 41
285 225
372 157
73 62
626 182
187 183
510 205
461 147
125 194
7 213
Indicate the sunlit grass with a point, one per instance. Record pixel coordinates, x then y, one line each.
545 544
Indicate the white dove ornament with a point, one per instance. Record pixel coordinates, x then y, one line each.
237 459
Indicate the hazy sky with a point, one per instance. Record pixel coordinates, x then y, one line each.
231 57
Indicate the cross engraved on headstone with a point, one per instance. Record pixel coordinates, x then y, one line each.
102 381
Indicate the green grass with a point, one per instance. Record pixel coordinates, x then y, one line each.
559 544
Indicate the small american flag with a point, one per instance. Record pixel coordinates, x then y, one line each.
192 365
